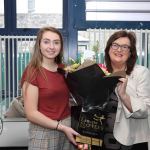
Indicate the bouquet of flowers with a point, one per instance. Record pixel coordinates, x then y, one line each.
90 85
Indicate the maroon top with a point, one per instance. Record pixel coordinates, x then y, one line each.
53 93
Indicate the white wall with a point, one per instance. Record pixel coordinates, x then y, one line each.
15 133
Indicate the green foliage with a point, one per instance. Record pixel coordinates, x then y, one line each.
72 61
95 47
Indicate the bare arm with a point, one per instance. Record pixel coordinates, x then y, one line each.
30 95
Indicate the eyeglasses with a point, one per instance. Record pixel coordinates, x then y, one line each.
124 48
54 43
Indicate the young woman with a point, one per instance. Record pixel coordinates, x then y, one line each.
46 96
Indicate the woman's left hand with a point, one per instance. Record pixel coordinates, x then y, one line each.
70 133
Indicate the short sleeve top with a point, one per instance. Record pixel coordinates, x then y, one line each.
53 93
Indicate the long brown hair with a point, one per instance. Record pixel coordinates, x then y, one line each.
35 63
133 57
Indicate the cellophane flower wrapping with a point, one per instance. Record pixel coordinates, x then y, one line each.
91 87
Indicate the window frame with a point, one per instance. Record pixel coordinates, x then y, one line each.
10 29
10 26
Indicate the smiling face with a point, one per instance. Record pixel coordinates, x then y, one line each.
119 52
50 45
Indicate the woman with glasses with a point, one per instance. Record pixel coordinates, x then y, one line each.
128 125
46 96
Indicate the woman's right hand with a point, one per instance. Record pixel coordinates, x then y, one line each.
82 146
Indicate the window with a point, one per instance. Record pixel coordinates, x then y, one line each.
117 10
39 13
1 13
92 42
19 23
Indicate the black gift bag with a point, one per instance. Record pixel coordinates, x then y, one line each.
90 87
91 90
81 82
89 124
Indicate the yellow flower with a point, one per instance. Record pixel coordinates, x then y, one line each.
73 65
72 68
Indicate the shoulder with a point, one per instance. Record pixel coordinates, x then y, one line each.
30 71
139 70
29 75
140 73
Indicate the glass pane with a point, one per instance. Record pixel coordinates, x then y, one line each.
9 45
39 13
3 91
92 42
1 13
117 11
24 51
148 51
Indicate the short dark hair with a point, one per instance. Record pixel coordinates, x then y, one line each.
133 57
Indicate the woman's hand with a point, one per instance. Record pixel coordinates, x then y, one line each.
69 132
121 87
83 146
125 98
